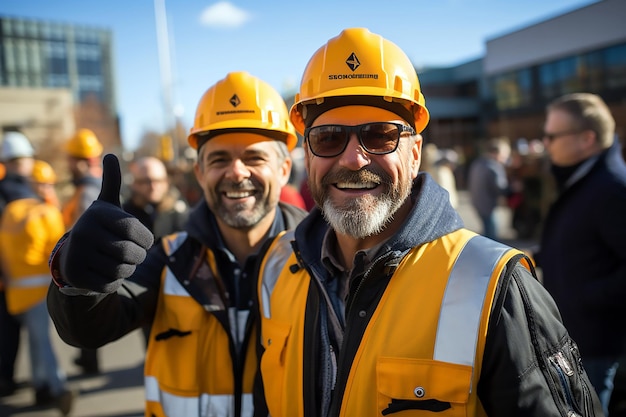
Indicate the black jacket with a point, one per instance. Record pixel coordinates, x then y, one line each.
583 254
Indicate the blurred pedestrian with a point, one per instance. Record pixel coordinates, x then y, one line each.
29 230
84 151
440 164
488 183
17 162
582 249
153 199
43 182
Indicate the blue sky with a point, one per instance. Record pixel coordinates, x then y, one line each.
272 40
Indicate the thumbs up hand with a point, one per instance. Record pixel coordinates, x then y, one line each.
106 244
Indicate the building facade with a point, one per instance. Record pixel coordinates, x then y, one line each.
580 51
39 55
504 93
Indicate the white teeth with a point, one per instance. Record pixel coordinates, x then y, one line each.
357 185
239 194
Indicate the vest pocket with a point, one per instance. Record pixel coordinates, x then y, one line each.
275 336
422 387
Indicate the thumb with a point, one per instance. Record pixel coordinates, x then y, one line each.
111 180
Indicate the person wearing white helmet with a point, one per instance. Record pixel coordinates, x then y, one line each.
16 158
29 229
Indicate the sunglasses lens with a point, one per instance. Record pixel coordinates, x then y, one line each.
327 140
377 138
380 138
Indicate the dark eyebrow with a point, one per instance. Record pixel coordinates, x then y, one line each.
247 153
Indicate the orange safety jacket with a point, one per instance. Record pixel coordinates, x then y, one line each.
419 353
191 365
29 231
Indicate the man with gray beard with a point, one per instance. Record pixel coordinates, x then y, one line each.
395 307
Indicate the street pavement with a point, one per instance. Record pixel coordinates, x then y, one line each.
118 390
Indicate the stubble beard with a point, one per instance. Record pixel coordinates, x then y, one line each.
242 215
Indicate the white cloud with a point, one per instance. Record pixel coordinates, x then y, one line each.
224 14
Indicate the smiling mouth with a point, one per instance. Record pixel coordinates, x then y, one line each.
239 194
356 185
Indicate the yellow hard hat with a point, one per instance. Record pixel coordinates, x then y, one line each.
358 67
241 102
84 144
43 173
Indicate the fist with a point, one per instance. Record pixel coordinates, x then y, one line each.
106 244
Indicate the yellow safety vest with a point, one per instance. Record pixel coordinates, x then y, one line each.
190 373
29 231
423 344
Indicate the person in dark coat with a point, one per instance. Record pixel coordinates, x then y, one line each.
582 250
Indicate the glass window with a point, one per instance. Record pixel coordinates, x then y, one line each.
9 57
547 81
34 57
31 29
21 56
7 26
90 86
560 77
616 66
45 30
18 28
56 32
567 75
593 71
54 80
513 90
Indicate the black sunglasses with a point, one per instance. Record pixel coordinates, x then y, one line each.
378 138
551 136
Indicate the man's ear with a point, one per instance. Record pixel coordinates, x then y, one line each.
416 152
285 171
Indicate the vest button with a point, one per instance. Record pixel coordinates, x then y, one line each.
419 392
362 313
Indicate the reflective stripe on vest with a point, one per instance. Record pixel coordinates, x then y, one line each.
170 388
172 286
30 281
205 406
460 313
280 252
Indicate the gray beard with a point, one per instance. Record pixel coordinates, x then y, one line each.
362 217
